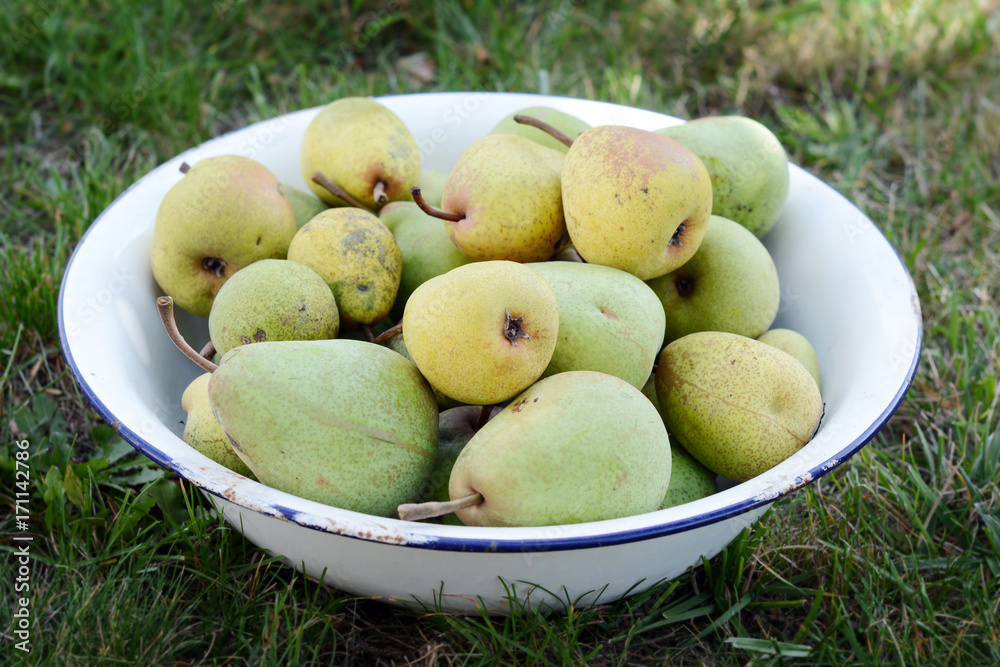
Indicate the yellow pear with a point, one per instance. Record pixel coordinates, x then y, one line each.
482 332
203 432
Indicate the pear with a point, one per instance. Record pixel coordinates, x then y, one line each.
304 205
503 200
357 257
609 321
482 332
225 213
569 125
364 148
456 427
396 212
747 164
431 184
575 447
340 422
731 284
737 405
796 345
272 299
203 432
427 252
689 480
634 200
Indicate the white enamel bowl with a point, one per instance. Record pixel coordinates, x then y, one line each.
843 287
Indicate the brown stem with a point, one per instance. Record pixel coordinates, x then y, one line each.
387 335
378 194
419 200
367 331
208 351
484 416
544 127
337 191
185 167
165 305
418 511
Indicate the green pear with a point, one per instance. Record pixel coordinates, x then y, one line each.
431 184
203 432
364 148
575 447
272 299
503 200
796 345
225 213
747 164
737 405
569 125
427 252
609 321
340 422
304 205
634 200
482 332
731 284
689 480
357 257
396 212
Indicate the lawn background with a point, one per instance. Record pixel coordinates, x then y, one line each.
892 558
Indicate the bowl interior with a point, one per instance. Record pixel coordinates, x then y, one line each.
842 286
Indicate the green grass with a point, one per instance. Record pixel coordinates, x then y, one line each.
892 558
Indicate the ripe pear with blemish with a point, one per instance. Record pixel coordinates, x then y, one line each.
225 213
503 200
633 199
357 257
272 299
737 405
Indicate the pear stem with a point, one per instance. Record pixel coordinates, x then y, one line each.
378 194
165 305
419 200
337 191
185 167
418 511
544 127
367 331
208 351
384 337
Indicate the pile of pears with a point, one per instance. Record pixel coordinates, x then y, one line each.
573 325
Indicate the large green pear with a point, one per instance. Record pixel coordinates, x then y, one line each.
225 213
609 321
747 164
341 422
731 284
202 431
569 125
574 447
505 195
634 200
357 257
426 250
272 299
431 184
737 405
794 344
363 147
482 332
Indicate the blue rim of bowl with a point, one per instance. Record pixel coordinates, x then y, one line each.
493 545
